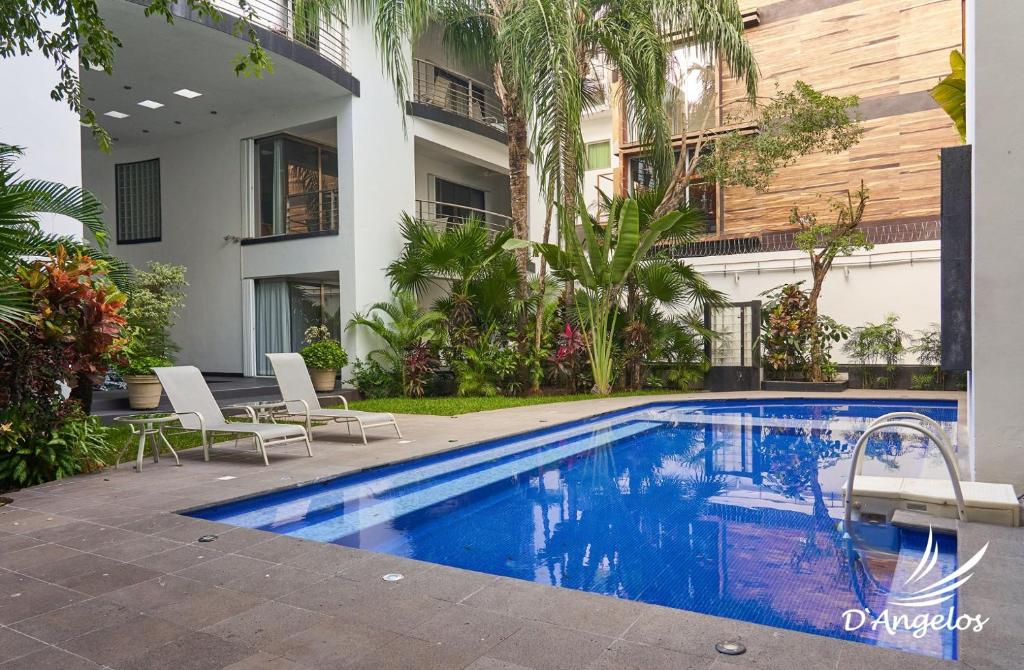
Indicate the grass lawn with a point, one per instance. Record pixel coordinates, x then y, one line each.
451 405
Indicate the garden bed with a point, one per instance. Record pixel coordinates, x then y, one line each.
811 387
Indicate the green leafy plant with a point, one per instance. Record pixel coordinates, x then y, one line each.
951 93
876 344
76 443
151 312
372 380
405 326
600 266
788 329
928 347
324 355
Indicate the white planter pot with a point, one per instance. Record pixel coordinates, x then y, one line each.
143 391
323 380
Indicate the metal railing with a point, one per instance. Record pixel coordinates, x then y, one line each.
455 92
311 212
320 29
447 215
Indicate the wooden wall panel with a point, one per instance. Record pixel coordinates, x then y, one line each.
878 50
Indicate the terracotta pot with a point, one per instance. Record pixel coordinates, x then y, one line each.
143 391
323 380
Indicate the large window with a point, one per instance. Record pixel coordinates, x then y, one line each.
456 203
296 187
137 201
691 92
700 194
285 308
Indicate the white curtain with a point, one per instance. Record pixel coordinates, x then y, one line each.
273 322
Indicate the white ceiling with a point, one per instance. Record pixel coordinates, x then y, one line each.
158 59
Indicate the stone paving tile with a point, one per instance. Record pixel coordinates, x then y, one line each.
624 655
74 620
695 634
488 663
117 644
50 658
64 531
275 581
31 523
207 607
464 628
198 651
102 578
10 543
405 653
330 644
139 547
22 597
179 558
36 556
264 624
548 647
854 656
265 661
224 569
150 595
13 644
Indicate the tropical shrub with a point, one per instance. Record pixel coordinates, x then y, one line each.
487 368
568 358
791 333
406 327
876 344
928 348
72 333
156 295
372 380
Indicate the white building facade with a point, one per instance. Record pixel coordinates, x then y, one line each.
283 195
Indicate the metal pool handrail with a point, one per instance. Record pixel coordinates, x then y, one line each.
942 442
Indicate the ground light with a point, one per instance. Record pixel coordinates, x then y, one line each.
730 648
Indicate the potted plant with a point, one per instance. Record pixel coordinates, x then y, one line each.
151 312
324 357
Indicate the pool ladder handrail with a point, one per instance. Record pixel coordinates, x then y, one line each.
933 432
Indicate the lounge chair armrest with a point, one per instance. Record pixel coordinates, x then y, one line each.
202 421
305 405
344 402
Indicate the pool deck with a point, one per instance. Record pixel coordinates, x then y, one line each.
98 571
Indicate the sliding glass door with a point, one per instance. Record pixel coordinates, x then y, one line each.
285 308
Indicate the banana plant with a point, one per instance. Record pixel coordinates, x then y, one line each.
951 93
601 264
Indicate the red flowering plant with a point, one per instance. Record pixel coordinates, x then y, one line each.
569 356
72 332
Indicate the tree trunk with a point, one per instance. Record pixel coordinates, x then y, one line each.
818 273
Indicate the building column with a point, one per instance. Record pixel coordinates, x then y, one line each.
997 135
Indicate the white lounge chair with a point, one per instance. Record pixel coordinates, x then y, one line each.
198 410
301 400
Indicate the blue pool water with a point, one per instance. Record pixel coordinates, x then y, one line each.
730 508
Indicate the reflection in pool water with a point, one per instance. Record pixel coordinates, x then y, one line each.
728 508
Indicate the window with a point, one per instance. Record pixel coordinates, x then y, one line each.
691 93
296 187
700 194
599 155
137 201
285 308
457 203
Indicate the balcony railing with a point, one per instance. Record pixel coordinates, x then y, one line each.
313 26
434 85
311 212
448 215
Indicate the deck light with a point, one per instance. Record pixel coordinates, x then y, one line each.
151 104
207 538
114 114
730 648
393 577
187 93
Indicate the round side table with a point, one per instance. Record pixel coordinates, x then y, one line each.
151 426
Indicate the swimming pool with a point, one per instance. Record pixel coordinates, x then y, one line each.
730 508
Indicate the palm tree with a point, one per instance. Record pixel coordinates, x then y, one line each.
476 275
22 201
406 326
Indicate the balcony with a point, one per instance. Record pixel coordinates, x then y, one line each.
317 28
450 97
447 215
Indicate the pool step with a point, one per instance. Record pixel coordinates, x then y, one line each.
917 521
983 502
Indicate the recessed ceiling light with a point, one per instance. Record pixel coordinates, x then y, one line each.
186 93
152 104
114 114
